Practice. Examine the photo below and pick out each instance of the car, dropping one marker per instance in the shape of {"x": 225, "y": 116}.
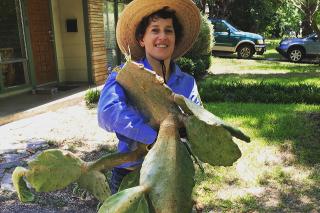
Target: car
{"x": 228, "y": 39}
{"x": 296, "y": 49}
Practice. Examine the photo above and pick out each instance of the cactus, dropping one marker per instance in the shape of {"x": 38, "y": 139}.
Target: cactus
{"x": 55, "y": 169}
{"x": 166, "y": 178}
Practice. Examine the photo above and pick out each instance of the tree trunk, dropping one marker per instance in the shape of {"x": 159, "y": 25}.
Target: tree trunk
{"x": 306, "y": 27}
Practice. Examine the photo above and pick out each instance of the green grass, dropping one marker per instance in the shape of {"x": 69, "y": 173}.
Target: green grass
{"x": 91, "y": 97}
{"x": 278, "y": 169}
{"x": 271, "y": 49}
{"x": 275, "y": 124}
{"x": 267, "y": 88}
{"x": 231, "y": 64}
{"x": 295, "y": 83}
{"x": 284, "y": 79}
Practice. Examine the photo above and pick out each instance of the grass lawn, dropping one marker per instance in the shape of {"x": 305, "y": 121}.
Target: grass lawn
{"x": 260, "y": 65}
{"x": 271, "y": 49}
{"x": 284, "y": 79}
{"x": 260, "y": 81}
{"x": 232, "y": 65}
{"x": 279, "y": 170}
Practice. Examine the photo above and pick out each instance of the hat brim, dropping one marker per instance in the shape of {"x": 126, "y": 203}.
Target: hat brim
{"x": 186, "y": 11}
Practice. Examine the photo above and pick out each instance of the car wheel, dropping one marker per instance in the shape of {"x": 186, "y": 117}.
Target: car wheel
{"x": 295, "y": 54}
{"x": 245, "y": 51}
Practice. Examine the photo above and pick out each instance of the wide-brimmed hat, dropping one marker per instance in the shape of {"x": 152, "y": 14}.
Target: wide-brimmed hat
{"x": 186, "y": 11}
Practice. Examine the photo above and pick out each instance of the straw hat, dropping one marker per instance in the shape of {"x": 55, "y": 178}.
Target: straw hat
{"x": 186, "y": 12}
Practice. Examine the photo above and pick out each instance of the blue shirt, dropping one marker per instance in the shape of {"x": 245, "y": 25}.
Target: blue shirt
{"x": 116, "y": 114}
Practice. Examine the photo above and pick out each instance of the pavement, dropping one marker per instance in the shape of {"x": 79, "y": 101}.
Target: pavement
{"x": 29, "y": 122}
{"x": 28, "y": 104}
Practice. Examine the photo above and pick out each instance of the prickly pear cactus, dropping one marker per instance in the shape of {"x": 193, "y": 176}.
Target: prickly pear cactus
{"x": 166, "y": 178}
{"x": 210, "y": 137}
{"x": 56, "y": 169}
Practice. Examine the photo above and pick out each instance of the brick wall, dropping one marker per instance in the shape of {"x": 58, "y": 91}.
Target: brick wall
{"x": 97, "y": 40}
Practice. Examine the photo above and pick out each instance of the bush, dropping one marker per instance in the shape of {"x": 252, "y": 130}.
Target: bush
{"x": 92, "y": 97}
{"x": 262, "y": 92}
{"x": 198, "y": 59}
{"x": 187, "y": 65}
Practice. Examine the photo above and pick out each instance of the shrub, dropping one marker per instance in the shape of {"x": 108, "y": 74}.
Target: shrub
{"x": 198, "y": 59}
{"x": 187, "y": 65}
{"x": 92, "y": 97}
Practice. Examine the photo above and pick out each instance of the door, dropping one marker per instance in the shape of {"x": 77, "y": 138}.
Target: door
{"x": 312, "y": 45}
{"x": 42, "y": 41}
{"x": 223, "y": 39}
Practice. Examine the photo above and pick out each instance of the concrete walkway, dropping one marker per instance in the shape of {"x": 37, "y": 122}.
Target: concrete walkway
{"x": 27, "y": 104}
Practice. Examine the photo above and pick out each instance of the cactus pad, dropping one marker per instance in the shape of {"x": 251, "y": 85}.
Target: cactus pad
{"x": 53, "y": 169}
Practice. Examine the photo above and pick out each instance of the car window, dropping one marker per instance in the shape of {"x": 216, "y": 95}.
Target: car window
{"x": 220, "y": 27}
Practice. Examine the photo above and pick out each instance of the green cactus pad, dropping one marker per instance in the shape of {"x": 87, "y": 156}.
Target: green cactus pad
{"x": 53, "y": 169}
{"x": 193, "y": 109}
{"x": 20, "y": 185}
{"x": 211, "y": 143}
{"x": 95, "y": 183}
{"x": 130, "y": 180}
{"x": 147, "y": 92}
{"x": 168, "y": 172}
{"x": 127, "y": 201}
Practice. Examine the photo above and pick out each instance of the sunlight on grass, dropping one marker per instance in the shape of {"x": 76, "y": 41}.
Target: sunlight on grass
{"x": 275, "y": 172}
{"x": 271, "y": 49}
{"x": 231, "y": 64}
{"x": 283, "y": 79}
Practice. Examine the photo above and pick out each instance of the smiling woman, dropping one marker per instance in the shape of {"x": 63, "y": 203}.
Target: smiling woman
{"x": 157, "y": 33}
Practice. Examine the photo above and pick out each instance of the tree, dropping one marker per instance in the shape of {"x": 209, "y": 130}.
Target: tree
{"x": 201, "y": 4}
{"x": 217, "y": 8}
{"x": 220, "y": 8}
{"x": 310, "y": 11}
{"x": 287, "y": 18}
{"x": 252, "y": 15}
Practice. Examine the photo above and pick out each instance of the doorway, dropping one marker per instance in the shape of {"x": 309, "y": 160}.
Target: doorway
{"x": 42, "y": 41}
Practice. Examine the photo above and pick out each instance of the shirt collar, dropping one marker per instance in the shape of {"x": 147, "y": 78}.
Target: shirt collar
{"x": 175, "y": 70}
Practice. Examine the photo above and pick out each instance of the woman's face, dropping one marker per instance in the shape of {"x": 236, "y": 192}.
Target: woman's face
{"x": 159, "y": 39}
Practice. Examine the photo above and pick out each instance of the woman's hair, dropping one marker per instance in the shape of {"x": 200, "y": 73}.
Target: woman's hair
{"x": 164, "y": 13}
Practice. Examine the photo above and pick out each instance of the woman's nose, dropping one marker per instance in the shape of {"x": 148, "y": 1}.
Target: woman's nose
{"x": 163, "y": 35}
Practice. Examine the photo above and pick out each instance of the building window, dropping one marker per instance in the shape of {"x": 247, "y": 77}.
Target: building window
{"x": 109, "y": 19}
{"x": 13, "y": 59}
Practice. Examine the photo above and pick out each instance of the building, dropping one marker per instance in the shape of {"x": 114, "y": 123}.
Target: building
{"x": 48, "y": 42}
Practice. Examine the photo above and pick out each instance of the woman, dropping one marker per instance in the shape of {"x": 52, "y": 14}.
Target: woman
{"x": 154, "y": 32}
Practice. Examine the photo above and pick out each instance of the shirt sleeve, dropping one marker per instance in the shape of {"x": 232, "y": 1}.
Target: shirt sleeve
{"x": 116, "y": 115}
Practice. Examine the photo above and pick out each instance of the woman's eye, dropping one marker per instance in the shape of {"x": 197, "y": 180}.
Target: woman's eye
{"x": 155, "y": 30}
{"x": 169, "y": 31}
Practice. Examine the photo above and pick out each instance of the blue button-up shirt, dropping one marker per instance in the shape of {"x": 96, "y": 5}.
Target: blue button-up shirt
{"x": 116, "y": 114}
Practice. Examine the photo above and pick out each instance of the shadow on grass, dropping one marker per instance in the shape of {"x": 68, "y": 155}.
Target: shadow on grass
{"x": 279, "y": 188}
{"x": 290, "y": 195}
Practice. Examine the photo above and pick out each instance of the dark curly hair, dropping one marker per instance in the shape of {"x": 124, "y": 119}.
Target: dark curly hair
{"x": 164, "y": 13}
